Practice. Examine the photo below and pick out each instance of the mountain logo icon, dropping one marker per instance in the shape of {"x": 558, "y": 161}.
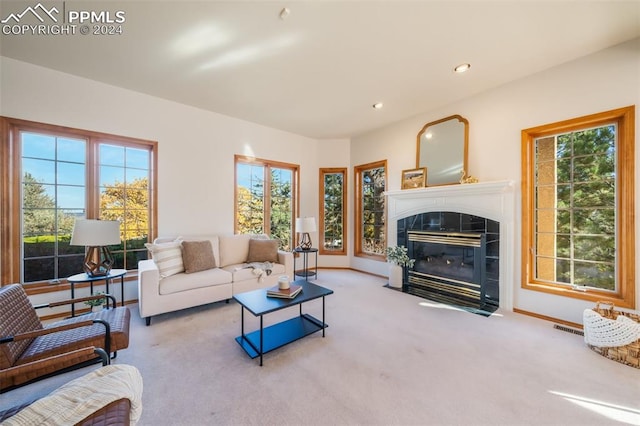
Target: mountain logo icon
{"x": 38, "y": 11}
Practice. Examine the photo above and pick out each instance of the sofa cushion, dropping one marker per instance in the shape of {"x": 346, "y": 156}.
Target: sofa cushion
{"x": 234, "y": 249}
{"x": 168, "y": 257}
{"x": 262, "y": 250}
{"x": 184, "y": 282}
{"x": 197, "y": 256}
{"x": 215, "y": 244}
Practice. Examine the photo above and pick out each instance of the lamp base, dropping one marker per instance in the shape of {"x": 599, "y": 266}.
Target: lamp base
{"x": 305, "y": 242}
{"x": 98, "y": 261}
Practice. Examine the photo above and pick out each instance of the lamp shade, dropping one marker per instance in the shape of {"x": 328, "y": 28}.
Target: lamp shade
{"x": 306, "y": 224}
{"x": 92, "y": 232}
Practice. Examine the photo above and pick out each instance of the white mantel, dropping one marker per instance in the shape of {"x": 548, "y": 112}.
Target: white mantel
{"x": 492, "y": 200}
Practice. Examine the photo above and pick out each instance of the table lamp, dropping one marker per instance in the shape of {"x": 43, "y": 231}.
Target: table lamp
{"x": 96, "y": 235}
{"x": 304, "y": 225}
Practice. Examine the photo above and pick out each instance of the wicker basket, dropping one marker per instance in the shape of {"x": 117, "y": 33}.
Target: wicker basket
{"x": 627, "y": 354}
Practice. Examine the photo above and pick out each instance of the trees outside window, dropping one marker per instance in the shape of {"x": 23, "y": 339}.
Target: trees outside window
{"x": 266, "y": 200}
{"x": 53, "y": 195}
{"x": 370, "y": 229}
{"x": 333, "y": 206}
{"x": 124, "y": 196}
{"x": 578, "y": 207}
{"x": 53, "y": 175}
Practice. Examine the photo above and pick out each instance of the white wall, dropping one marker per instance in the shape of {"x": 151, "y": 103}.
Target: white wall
{"x": 603, "y": 81}
{"x": 195, "y": 147}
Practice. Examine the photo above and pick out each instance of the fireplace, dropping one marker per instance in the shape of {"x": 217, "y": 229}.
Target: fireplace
{"x": 451, "y": 260}
{"x": 462, "y": 239}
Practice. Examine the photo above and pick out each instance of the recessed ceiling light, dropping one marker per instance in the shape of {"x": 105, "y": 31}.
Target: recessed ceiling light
{"x": 377, "y": 105}
{"x": 462, "y": 68}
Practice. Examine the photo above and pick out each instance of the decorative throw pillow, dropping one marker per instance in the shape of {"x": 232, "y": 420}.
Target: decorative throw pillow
{"x": 167, "y": 256}
{"x": 263, "y": 251}
{"x": 197, "y": 256}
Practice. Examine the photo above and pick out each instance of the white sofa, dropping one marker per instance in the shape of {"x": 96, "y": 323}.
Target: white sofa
{"x": 241, "y": 263}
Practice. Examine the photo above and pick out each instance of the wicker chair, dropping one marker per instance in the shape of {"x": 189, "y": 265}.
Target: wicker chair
{"x": 30, "y": 351}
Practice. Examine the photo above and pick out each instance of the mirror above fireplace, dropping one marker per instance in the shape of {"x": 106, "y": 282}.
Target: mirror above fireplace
{"x": 442, "y": 148}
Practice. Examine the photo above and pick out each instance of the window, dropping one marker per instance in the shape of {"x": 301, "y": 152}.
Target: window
{"x": 370, "y": 210}
{"x": 49, "y": 181}
{"x": 578, "y": 207}
{"x": 333, "y": 203}
{"x": 266, "y": 200}
{"x": 124, "y": 196}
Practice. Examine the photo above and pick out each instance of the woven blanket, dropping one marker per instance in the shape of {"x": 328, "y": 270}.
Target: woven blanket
{"x": 606, "y": 332}
{"x": 83, "y": 396}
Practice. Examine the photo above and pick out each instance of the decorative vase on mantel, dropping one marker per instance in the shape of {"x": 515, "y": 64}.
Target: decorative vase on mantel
{"x": 395, "y": 275}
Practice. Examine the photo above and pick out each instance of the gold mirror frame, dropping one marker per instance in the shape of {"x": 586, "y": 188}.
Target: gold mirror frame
{"x": 444, "y": 153}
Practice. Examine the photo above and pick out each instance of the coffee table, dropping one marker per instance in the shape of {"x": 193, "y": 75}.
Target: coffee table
{"x": 266, "y": 339}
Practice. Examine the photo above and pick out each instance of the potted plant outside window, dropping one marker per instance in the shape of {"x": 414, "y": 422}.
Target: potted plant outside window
{"x": 398, "y": 259}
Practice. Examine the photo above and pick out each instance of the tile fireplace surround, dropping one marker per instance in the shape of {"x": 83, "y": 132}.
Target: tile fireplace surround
{"x": 492, "y": 200}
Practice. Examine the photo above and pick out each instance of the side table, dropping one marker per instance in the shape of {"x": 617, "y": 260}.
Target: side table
{"x": 84, "y": 278}
{"x": 306, "y": 271}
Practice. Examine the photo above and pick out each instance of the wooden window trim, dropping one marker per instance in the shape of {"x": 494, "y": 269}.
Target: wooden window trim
{"x": 357, "y": 172}
{"x": 10, "y": 178}
{"x": 268, "y": 164}
{"x": 323, "y": 172}
{"x": 625, "y": 184}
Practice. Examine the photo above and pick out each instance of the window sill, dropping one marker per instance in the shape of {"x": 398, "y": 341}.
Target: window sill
{"x": 63, "y": 285}
{"x": 375, "y": 257}
{"x": 589, "y": 294}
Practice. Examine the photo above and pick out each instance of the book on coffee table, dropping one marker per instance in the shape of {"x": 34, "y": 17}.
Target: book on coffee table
{"x": 289, "y": 293}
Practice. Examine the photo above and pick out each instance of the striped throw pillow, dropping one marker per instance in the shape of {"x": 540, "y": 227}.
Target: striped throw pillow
{"x": 168, "y": 257}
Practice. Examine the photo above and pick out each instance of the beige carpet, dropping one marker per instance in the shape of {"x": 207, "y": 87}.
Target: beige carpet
{"x": 387, "y": 358}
